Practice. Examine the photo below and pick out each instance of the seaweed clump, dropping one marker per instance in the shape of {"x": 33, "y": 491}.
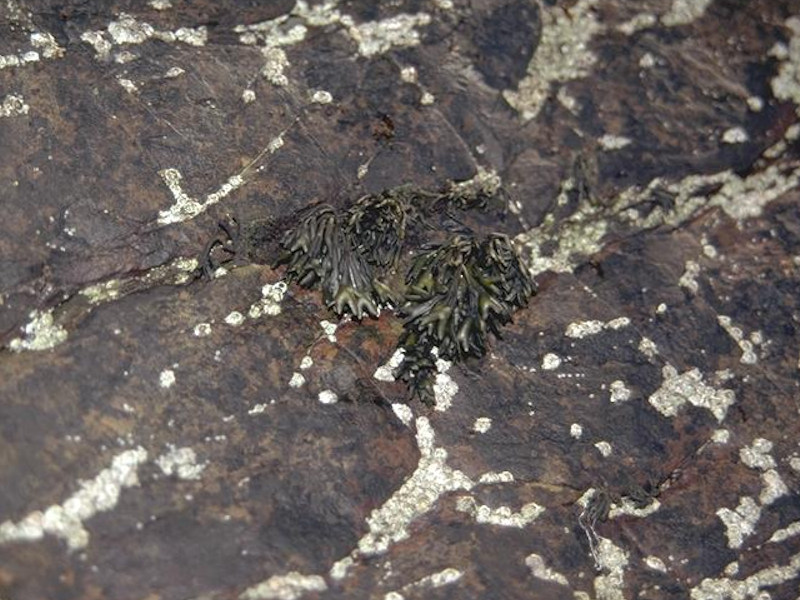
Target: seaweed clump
{"x": 345, "y": 253}
{"x": 459, "y": 287}
{"x": 457, "y": 294}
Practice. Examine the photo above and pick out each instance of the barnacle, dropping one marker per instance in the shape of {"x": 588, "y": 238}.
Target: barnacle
{"x": 457, "y": 293}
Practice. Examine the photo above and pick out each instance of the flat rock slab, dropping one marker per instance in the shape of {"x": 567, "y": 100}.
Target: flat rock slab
{"x": 634, "y": 434}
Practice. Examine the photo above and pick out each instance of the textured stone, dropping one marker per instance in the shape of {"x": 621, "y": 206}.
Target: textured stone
{"x": 634, "y": 433}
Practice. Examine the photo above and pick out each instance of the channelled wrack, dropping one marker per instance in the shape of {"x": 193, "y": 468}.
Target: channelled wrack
{"x": 409, "y": 249}
{"x": 454, "y": 293}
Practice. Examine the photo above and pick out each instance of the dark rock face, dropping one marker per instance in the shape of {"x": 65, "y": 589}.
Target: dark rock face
{"x": 632, "y": 435}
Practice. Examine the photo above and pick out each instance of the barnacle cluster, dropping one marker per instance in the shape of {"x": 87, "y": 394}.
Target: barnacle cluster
{"x": 454, "y": 294}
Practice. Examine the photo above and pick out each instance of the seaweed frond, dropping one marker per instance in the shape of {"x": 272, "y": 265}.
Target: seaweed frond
{"x": 457, "y": 294}
{"x": 378, "y": 226}
{"x": 322, "y": 252}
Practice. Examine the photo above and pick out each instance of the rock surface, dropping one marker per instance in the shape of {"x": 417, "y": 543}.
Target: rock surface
{"x": 633, "y": 435}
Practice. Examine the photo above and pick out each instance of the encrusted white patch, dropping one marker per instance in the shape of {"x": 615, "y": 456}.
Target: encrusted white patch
{"x": 377, "y": 37}
{"x": 95, "y": 495}
{"x": 584, "y": 329}
{"x": 576, "y": 430}
{"x": 160, "y": 4}
{"x": 128, "y": 30}
{"x": 340, "y": 567}
{"x": 403, "y": 412}
{"x": 563, "y": 54}
{"x": 747, "y": 346}
{"x": 41, "y": 333}
{"x": 614, "y": 142}
{"x": 683, "y": 12}
{"x": 689, "y": 277}
{"x": 186, "y": 208}
{"x": 786, "y": 85}
{"x": 329, "y": 329}
{"x": 202, "y": 329}
{"x": 13, "y": 105}
{"x": 275, "y": 62}
{"x": 257, "y": 409}
{"x": 389, "y": 523}
{"x": 647, "y": 61}
{"x": 409, "y": 74}
{"x": 248, "y": 96}
{"x": 604, "y": 448}
{"x": 501, "y": 516}
{"x": 568, "y": 101}
{"x": 234, "y": 318}
{"x": 102, "y": 292}
{"x": 129, "y": 85}
{"x": 321, "y": 97}
{"x": 328, "y": 397}
{"x": 166, "y": 378}
{"x": 676, "y": 390}
{"x": 741, "y": 521}
{"x": 272, "y": 295}
{"x": 731, "y": 568}
{"x": 46, "y": 47}
{"x": 444, "y": 388}
{"x": 181, "y": 462}
{"x": 306, "y": 363}
{"x": 291, "y": 586}
{"x": 755, "y": 103}
{"x": 551, "y": 361}
{"x": 494, "y": 477}
{"x": 434, "y": 580}
{"x": 628, "y": 508}
{"x": 540, "y": 570}
{"x": 564, "y": 241}
{"x": 427, "y": 99}
{"x": 619, "y": 391}
{"x": 482, "y": 425}
{"x": 751, "y": 587}
{"x": 648, "y": 347}
{"x": 655, "y": 563}
{"x": 773, "y": 487}
{"x": 757, "y": 455}
{"x": 385, "y": 372}
{"x": 746, "y": 198}
{"x": 784, "y": 534}
{"x": 637, "y": 23}
{"x": 47, "y": 44}
{"x": 612, "y": 560}
{"x": 721, "y": 436}
{"x": 297, "y": 380}
{"x": 735, "y": 135}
